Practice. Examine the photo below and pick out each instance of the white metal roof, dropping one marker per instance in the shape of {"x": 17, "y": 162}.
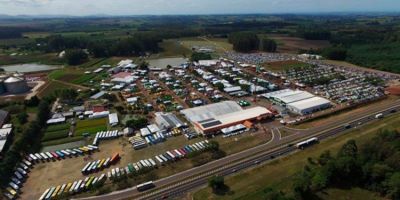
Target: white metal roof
{"x": 210, "y": 111}
{"x": 309, "y": 103}
{"x": 113, "y": 118}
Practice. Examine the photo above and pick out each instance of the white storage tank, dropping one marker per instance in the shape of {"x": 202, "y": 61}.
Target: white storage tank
{"x": 16, "y": 85}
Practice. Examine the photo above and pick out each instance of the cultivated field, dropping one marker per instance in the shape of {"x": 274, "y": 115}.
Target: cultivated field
{"x": 288, "y": 44}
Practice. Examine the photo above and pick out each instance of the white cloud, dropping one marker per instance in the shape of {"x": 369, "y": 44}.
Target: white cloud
{"x": 140, "y": 7}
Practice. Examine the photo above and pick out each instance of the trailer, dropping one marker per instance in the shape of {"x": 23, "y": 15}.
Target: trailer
{"x": 42, "y": 197}
{"x": 16, "y": 181}
{"x": 23, "y": 166}
{"x": 159, "y": 160}
{"x": 33, "y": 157}
{"x": 144, "y": 163}
{"x": 136, "y": 167}
{"x": 95, "y": 180}
{"x": 77, "y": 186}
{"x": 306, "y": 143}
{"x": 49, "y": 194}
{"x": 145, "y": 186}
{"x": 85, "y": 168}
{"x": 61, "y": 191}
{"x": 171, "y": 155}
{"x": 178, "y": 153}
{"x": 101, "y": 164}
{"x": 379, "y": 116}
{"x": 23, "y": 172}
{"x": 72, "y": 189}
{"x": 89, "y": 182}
{"x": 27, "y": 163}
{"x": 13, "y": 186}
{"x": 67, "y": 188}
{"x": 114, "y": 158}
{"x": 18, "y": 175}
{"x": 107, "y": 162}
{"x": 152, "y": 162}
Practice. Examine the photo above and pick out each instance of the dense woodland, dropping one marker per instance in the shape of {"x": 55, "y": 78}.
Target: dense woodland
{"x": 368, "y": 40}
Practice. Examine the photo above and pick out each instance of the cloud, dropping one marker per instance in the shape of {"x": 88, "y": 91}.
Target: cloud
{"x": 141, "y": 7}
{"x": 26, "y": 2}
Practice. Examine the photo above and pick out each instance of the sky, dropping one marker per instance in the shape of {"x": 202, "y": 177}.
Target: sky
{"x": 172, "y": 7}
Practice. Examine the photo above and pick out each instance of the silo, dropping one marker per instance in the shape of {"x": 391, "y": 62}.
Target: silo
{"x": 16, "y": 85}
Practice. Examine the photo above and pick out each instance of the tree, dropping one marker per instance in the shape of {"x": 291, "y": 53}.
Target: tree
{"x": 325, "y": 157}
{"x": 220, "y": 86}
{"x": 217, "y": 183}
{"x": 33, "y": 101}
{"x": 76, "y": 56}
{"x": 67, "y": 95}
{"x": 335, "y": 53}
{"x": 196, "y": 56}
{"x": 137, "y": 123}
{"x": 43, "y": 112}
{"x": 394, "y": 186}
{"x": 244, "y": 41}
{"x": 144, "y": 65}
{"x": 272, "y": 194}
{"x": 22, "y": 117}
{"x": 269, "y": 45}
{"x": 349, "y": 149}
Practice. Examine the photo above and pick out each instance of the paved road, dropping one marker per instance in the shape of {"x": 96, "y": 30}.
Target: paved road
{"x": 186, "y": 180}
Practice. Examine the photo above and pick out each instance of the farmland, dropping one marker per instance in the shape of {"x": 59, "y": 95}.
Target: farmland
{"x": 289, "y": 44}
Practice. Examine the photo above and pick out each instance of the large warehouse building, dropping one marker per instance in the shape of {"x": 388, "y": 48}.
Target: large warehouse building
{"x": 297, "y": 101}
{"x": 212, "y": 118}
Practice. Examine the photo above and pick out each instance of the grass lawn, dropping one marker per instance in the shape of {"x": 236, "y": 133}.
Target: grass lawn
{"x": 90, "y": 126}
{"x": 219, "y": 44}
{"x": 352, "y": 193}
{"x": 62, "y": 141}
{"x": 173, "y": 48}
{"x": 53, "y": 86}
{"x": 279, "y": 173}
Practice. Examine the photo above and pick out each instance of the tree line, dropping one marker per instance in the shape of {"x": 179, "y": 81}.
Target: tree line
{"x": 29, "y": 141}
{"x": 250, "y": 41}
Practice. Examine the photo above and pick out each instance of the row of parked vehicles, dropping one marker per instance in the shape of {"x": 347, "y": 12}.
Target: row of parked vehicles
{"x": 98, "y": 165}
{"x": 17, "y": 180}
{"x": 23, "y": 168}
{"x": 61, "y": 154}
{"x": 182, "y": 152}
{"x": 105, "y": 135}
{"x": 73, "y": 188}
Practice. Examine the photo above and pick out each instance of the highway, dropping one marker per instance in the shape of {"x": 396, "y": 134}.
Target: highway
{"x": 182, "y": 182}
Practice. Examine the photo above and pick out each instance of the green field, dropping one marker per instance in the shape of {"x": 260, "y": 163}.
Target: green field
{"x": 90, "y": 126}
{"x": 52, "y": 87}
{"x": 279, "y": 173}
{"x": 56, "y": 132}
{"x": 284, "y": 65}
{"x": 62, "y": 141}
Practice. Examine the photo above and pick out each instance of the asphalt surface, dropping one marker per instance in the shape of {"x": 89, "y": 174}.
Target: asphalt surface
{"x": 185, "y": 181}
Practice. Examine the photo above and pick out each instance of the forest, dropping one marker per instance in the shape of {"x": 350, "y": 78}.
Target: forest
{"x": 374, "y": 166}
